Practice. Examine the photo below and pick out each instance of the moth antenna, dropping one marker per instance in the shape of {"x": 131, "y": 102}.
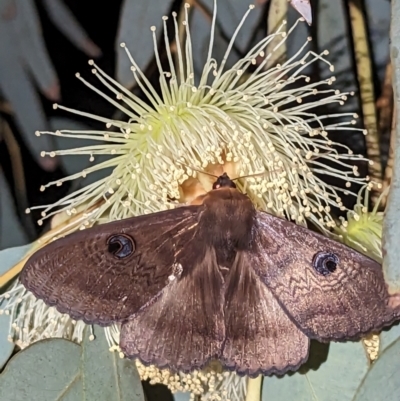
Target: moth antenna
{"x": 198, "y": 171}
{"x": 256, "y": 174}
{"x": 250, "y": 175}
{"x": 204, "y": 172}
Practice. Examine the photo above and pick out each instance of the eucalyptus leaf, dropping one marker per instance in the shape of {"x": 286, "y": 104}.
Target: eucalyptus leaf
{"x": 11, "y": 230}
{"x": 381, "y": 383}
{"x": 11, "y": 256}
{"x": 136, "y": 18}
{"x": 332, "y": 373}
{"x": 8, "y": 258}
{"x": 58, "y": 369}
{"x": 230, "y": 13}
{"x": 388, "y": 337}
{"x": 179, "y": 396}
{"x": 47, "y": 371}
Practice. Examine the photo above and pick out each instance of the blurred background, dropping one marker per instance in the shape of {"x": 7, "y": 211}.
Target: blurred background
{"x": 43, "y": 43}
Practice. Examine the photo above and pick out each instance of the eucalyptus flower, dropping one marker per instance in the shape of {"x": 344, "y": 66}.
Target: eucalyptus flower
{"x": 32, "y": 320}
{"x": 245, "y": 120}
{"x": 362, "y": 230}
{"x": 263, "y": 124}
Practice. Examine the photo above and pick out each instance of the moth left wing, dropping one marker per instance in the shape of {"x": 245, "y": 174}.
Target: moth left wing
{"x": 329, "y": 290}
{"x": 183, "y": 328}
{"x": 260, "y": 337}
{"x": 106, "y": 273}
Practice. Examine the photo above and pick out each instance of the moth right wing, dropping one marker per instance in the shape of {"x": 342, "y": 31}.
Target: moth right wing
{"x": 329, "y": 290}
{"x": 92, "y": 278}
{"x": 260, "y": 337}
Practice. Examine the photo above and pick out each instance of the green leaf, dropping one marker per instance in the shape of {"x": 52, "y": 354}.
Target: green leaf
{"x": 11, "y": 256}
{"x": 58, "y": 369}
{"x": 332, "y": 373}
{"x": 388, "y": 337}
{"x": 382, "y": 381}
{"x": 182, "y": 396}
{"x": 134, "y": 16}
{"x": 8, "y": 258}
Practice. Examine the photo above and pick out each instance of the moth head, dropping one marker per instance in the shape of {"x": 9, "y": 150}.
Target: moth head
{"x": 223, "y": 181}
{"x": 325, "y": 263}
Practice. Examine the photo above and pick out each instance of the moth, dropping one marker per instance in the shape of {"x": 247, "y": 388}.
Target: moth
{"x": 216, "y": 279}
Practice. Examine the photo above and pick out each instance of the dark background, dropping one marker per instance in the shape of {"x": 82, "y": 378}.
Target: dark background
{"x": 100, "y": 20}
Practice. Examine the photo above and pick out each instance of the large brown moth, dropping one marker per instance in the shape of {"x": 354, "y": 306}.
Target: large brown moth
{"x": 214, "y": 280}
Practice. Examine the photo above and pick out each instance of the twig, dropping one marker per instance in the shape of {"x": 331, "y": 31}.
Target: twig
{"x": 384, "y": 104}
{"x": 390, "y": 161}
{"x": 277, "y": 13}
{"x": 387, "y": 124}
{"x": 365, "y": 80}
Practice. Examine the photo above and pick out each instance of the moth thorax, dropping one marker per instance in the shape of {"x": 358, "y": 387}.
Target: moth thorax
{"x": 229, "y": 220}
